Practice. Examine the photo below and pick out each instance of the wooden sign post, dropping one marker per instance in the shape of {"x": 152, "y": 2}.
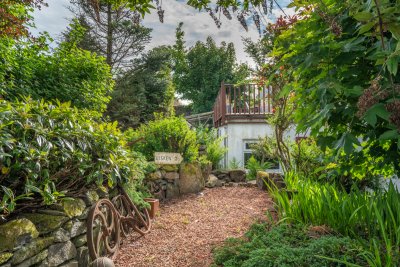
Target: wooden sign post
{"x": 166, "y": 158}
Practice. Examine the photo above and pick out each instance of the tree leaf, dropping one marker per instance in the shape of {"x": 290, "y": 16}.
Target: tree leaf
{"x": 363, "y": 16}
{"x": 392, "y": 65}
{"x": 388, "y": 135}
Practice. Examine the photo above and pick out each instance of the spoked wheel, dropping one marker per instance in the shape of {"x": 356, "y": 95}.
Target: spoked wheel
{"x": 125, "y": 211}
{"x": 142, "y": 221}
{"x": 103, "y": 233}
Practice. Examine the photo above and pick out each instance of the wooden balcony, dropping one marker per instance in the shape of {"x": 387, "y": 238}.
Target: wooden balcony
{"x": 244, "y": 103}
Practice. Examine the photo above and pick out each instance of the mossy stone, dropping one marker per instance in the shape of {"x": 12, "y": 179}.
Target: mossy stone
{"x": 170, "y": 168}
{"x": 4, "y": 257}
{"x": 16, "y": 232}
{"x": 91, "y": 197}
{"x": 73, "y": 207}
{"x": 35, "y": 259}
{"x": 46, "y": 223}
{"x": 31, "y": 249}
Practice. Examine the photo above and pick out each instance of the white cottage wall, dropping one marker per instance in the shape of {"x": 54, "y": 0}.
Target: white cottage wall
{"x": 236, "y": 134}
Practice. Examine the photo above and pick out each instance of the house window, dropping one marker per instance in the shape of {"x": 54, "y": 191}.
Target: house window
{"x": 247, "y": 151}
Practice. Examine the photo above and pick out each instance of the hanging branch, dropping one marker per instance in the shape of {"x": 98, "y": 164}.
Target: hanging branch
{"x": 225, "y": 11}
{"x": 242, "y": 20}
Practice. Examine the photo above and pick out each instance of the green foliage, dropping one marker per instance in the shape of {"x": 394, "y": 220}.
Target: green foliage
{"x": 165, "y": 134}
{"x": 67, "y": 74}
{"x": 370, "y": 216}
{"x": 253, "y": 165}
{"x": 53, "y": 150}
{"x": 214, "y": 150}
{"x": 199, "y": 72}
{"x": 234, "y": 164}
{"x": 285, "y": 245}
{"x": 143, "y": 90}
{"x": 344, "y": 57}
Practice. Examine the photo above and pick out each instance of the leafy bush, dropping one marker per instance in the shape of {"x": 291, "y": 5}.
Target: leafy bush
{"x": 254, "y": 165}
{"x": 285, "y": 245}
{"x": 165, "y": 134}
{"x": 234, "y": 164}
{"x": 66, "y": 74}
{"x": 209, "y": 138}
{"x": 53, "y": 150}
{"x": 371, "y": 216}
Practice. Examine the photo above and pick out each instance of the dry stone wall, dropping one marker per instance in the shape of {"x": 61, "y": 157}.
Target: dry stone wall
{"x": 55, "y": 236}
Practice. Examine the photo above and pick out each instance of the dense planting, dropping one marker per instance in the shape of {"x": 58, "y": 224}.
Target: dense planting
{"x": 53, "y": 150}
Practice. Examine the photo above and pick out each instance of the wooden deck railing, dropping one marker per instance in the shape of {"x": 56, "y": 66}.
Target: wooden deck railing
{"x": 247, "y": 101}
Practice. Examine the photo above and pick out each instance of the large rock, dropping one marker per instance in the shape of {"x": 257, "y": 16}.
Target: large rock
{"x": 91, "y": 197}
{"x": 60, "y": 253}
{"x": 206, "y": 170}
{"x": 16, "y": 233}
{"x": 262, "y": 179}
{"x": 61, "y": 235}
{"x": 237, "y": 175}
{"x": 169, "y": 168}
{"x": 212, "y": 181}
{"x": 34, "y": 260}
{"x": 154, "y": 176}
{"x": 75, "y": 228}
{"x": 45, "y": 223}
{"x": 31, "y": 249}
{"x": 70, "y": 264}
{"x": 191, "y": 178}
{"x": 79, "y": 241}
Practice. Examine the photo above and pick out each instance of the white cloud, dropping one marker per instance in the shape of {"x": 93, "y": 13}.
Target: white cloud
{"x": 197, "y": 25}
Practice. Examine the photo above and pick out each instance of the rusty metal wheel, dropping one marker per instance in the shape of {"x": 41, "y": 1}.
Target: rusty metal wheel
{"x": 142, "y": 221}
{"x": 103, "y": 230}
{"x": 124, "y": 208}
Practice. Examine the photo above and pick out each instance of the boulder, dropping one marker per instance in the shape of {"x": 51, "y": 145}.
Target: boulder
{"x": 60, "y": 253}
{"x": 79, "y": 241}
{"x": 171, "y": 175}
{"x": 191, "y": 178}
{"x": 206, "y": 170}
{"x": 16, "y": 233}
{"x": 277, "y": 180}
{"x": 262, "y": 179}
{"x": 212, "y": 181}
{"x": 45, "y": 223}
{"x": 237, "y": 175}
{"x": 70, "y": 264}
{"x": 35, "y": 259}
{"x": 31, "y": 249}
{"x": 75, "y": 228}
{"x": 61, "y": 235}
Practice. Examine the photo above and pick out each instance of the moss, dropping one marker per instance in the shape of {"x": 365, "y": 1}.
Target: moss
{"x": 73, "y": 207}
{"x": 31, "y": 249}
{"x": 189, "y": 168}
{"x": 4, "y": 257}
{"x": 46, "y": 223}
{"x": 170, "y": 168}
{"x": 13, "y": 232}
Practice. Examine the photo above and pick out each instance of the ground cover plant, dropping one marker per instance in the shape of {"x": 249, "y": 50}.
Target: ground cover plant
{"x": 287, "y": 245}
{"x": 372, "y": 218}
{"x": 52, "y": 150}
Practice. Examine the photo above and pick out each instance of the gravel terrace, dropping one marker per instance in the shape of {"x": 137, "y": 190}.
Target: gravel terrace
{"x": 189, "y": 227}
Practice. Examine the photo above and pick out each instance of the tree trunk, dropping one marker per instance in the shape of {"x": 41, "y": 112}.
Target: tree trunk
{"x": 109, "y": 35}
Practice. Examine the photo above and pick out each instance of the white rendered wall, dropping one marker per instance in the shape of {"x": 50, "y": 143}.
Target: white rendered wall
{"x": 237, "y": 133}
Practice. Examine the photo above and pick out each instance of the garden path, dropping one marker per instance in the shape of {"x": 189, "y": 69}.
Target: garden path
{"x": 189, "y": 227}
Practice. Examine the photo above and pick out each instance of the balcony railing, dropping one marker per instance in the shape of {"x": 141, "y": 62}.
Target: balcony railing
{"x": 248, "y": 101}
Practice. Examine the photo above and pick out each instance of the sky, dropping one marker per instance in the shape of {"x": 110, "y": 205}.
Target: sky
{"x": 197, "y": 25}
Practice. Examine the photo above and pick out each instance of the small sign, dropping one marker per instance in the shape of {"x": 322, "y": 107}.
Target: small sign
{"x": 165, "y": 158}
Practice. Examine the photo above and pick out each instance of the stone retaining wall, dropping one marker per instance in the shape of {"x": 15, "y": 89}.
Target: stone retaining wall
{"x": 54, "y": 236}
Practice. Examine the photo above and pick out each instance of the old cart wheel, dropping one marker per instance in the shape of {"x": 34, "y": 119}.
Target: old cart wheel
{"x": 125, "y": 211}
{"x": 142, "y": 221}
{"x": 103, "y": 233}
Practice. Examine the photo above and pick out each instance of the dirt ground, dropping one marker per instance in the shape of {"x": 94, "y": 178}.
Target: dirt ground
{"x": 188, "y": 228}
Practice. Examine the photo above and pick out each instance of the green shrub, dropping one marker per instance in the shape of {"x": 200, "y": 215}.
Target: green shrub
{"x": 285, "y": 245}
{"x": 68, "y": 74}
{"x": 53, "y": 150}
{"x": 165, "y": 134}
{"x": 254, "y": 165}
{"x": 371, "y": 216}
{"x": 214, "y": 150}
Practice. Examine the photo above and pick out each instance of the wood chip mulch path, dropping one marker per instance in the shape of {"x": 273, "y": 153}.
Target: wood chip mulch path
{"x": 189, "y": 227}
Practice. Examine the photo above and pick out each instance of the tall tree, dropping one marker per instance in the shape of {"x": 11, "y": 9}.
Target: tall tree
{"x": 114, "y": 33}
{"x": 144, "y": 89}
{"x": 199, "y": 73}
